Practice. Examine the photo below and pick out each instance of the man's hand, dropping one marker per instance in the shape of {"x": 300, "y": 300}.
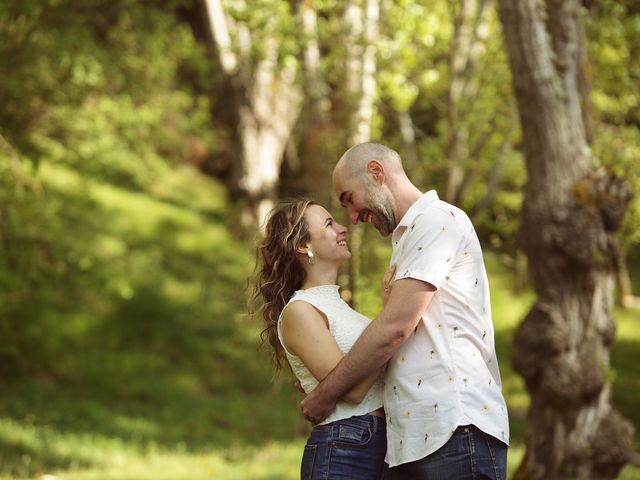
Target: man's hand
{"x": 315, "y": 407}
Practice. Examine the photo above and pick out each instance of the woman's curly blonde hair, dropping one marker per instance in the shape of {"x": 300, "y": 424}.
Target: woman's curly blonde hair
{"x": 279, "y": 273}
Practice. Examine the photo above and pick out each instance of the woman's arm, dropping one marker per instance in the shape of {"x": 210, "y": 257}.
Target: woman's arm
{"x": 306, "y": 334}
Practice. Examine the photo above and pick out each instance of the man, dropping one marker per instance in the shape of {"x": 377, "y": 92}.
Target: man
{"x": 446, "y": 416}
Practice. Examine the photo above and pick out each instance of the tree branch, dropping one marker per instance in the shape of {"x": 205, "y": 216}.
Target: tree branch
{"x": 221, "y": 36}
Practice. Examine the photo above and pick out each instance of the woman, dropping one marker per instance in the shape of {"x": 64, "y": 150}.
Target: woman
{"x": 308, "y": 324}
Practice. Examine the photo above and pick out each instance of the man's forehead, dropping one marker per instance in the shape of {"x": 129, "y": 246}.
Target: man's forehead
{"x": 338, "y": 184}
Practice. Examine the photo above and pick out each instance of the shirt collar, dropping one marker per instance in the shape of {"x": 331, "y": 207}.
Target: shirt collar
{"x": 417, "y": 207}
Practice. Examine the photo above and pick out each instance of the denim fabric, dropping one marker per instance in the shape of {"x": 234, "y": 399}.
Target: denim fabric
{"x": 349, "y": 449}
{"x": 470, "y": 454}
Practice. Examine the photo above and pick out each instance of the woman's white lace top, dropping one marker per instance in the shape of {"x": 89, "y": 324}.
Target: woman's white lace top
{"x": 346, "y": 325}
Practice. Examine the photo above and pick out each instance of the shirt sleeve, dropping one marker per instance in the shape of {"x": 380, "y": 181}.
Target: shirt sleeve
{"x": 430, "y": 247}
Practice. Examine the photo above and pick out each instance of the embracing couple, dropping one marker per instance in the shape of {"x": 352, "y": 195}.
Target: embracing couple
{"x": 415, "y": 393}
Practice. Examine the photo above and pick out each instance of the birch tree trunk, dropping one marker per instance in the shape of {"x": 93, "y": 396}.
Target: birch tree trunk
{"x": 408, "y": 135}
{"x": 570, "y": 217}
{"x": 469, "y": 22}
{"x": 319, "y": 143}
{"x": 268, "y": 100}
{"x": 362, "y": 25}
{"x": 362, "y": 70}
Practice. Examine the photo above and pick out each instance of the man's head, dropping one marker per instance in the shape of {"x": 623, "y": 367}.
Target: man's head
{"x": 364, "y": 180}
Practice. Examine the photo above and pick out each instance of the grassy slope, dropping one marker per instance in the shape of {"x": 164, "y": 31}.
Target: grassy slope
{"x": 194, "y": 399}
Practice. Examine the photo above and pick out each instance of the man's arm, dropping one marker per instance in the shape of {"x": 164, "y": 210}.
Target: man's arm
{"x": 377, "y": 344}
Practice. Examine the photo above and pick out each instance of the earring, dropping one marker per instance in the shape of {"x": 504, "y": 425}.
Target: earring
{"x": 312, "y": 259}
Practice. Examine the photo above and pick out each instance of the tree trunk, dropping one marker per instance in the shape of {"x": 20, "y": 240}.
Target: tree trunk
{"x": 268, "y": 100}
{"x": 319, "y": 142}
{"x": 408, "y": 135}
{"x": 356, "y": 87}
{"x": 569, "y": 221}
{"x": 493, "y": 182}
{"x": 362, "y": 25}
{"x": 469, "y": 20}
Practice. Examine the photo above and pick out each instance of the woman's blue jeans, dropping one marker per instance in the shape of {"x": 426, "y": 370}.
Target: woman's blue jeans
{"x": 470, "y": 454}
{"x": 349, "y": 449}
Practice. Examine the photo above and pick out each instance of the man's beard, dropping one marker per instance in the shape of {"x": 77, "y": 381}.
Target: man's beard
{"x": 380, "y": 207}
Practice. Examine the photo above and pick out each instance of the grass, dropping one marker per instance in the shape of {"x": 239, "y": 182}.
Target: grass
{"x": 161, "y": 376}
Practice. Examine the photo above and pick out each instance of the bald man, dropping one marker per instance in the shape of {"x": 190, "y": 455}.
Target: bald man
{"x": 446, "y": 416}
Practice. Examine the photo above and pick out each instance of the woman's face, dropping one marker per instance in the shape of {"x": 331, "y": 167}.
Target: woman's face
{"x": 328, "y": 237}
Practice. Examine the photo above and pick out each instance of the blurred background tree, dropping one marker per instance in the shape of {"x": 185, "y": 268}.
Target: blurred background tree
{"x": 571, "y": 215}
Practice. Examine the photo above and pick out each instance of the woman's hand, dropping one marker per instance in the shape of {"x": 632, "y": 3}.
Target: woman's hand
{"x": 387, "y": 283}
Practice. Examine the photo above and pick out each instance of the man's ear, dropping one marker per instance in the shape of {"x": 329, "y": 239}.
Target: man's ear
{"x": 376, "y": 170}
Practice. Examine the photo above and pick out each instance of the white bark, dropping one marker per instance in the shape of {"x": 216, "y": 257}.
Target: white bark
{"x": 220, "y": 31}
{"x": 360, "y": 42}
{"x": 364, "y": 115}
{"x": 268, "y": 99}
{"x": 408, "y": 134}
{"x": 470, "y": 27}
{"x": 316, "y": 146}
{"x": 361, "y": 77}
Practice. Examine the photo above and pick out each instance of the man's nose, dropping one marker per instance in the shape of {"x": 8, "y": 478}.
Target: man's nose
{"x": 353, "y": 216}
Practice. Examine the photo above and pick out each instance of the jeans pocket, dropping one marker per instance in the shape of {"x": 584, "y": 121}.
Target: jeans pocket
{"x": 308, "y": 462}
{"x": 354, "y": 435}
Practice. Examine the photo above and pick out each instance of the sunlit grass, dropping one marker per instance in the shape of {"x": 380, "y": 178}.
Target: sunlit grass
{"x": 89, "y": 456}
{"x": 141, "y": 212}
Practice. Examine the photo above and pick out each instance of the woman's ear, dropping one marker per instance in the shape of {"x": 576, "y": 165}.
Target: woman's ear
{"x": 376, "y": 170}
{"x": 303, "y": 249}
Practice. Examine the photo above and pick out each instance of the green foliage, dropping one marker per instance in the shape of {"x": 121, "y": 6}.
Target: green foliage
{"x": 614, "y": 32}
{"x": 415, "y": 75}
{"x": 121, "y": 125}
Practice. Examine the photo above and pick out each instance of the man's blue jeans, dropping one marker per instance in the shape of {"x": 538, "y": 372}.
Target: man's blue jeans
{"x": 470, "y": 454}
{"x": 349, "y": 449}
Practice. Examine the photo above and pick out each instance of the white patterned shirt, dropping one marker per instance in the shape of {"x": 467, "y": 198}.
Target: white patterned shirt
{"x": 446, "y": 373}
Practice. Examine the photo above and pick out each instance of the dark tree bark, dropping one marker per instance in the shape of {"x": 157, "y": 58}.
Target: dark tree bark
{"x": 570, "y": 217}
